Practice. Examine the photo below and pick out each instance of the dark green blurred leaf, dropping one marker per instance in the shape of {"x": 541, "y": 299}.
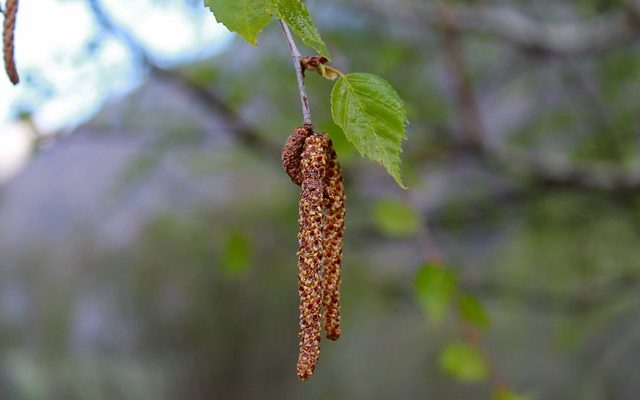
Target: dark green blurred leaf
{"x": 201, "y": 75}
{"x": 436, "y": 287}
{"x": 506, "y": 394}
{"x": 464, "y": 362}
{"x": 237, "y": 254}
{"x": 473, "y": 311}
{"x": 395, "y": 218}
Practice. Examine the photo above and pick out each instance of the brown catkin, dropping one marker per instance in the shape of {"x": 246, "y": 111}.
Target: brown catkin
{"x": 334, "y": 204}
{"x": 292, "y": 152}
{"x": 10, "y": 13}
{"x": 311, "y": 252}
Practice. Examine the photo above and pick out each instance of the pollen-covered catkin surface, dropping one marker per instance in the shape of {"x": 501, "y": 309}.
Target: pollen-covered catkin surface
{"x": 8, "y": 38}
{"x": 311, "y": 252}
{"x": 333, "y": 239}
{"x": 292, "y": 153}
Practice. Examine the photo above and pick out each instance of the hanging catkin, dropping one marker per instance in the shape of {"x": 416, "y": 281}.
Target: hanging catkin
{"x": 334, "y": 204}
{"x": 9, "y": 27}
{"x": 310, "y": 161}
{"x": 311, "y": 252}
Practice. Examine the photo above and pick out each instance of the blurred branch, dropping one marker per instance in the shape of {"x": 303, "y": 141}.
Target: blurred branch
{"x": 458, "y": 71}
{"x": 560, "y": 170}
{"x": 578, "y": 301}
{"x": 106, "y": 22}
{"x": 549, "y": 170}
{"x": 567, "y": 38}
{"x": 245, "y": 133}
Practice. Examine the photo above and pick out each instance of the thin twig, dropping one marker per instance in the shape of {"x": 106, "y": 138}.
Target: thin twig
{"x": 296, "y": 56}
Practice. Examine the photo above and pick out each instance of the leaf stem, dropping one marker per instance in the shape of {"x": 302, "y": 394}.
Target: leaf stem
{"x": 296, "y": 56}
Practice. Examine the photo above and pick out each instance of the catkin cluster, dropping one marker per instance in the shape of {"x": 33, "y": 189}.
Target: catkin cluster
{"x": 311, "y": 162}
{"x": 9, "y": 26}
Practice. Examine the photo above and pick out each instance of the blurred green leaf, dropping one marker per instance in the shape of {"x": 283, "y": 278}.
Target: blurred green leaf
{"x": 296, "y": 15}
{"x": 436, "y": 287}
{"x": 506, "y": 394}
{"x": 201, "y": 75}
{"x": 373, "y": 118}
{"x": 395, "y": 218}
{"x": 246, "y": 17}
{"x": 472, "y": 311}
{"x": 236, "y": 254}
{"x": 464, "y": 362}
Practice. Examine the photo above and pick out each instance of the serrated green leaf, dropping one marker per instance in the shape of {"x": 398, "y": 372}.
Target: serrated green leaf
{"x": 436, "y": 287}
{"x": 473, "y": 311}
{"x": 246, "y": 17}
{"x": 395, "y": 218}
{"x": 464, "y": 362}
{"x": 296, "y": 15}
{"x": 236, "y": 254}
{"x": 373, "y": 118}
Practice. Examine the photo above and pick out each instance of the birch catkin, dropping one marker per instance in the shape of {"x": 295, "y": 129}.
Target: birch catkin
{"x": 334, "y": 204}
{"x": 9, "y": 27}
{"x": 310, "y": 161}
{"x": 311, "y": 252}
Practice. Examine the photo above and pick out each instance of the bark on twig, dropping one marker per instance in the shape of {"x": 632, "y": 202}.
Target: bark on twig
{"x": 296, "y": 56}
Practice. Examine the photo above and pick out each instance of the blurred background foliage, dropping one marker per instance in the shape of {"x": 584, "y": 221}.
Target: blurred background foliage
{"x": 150, "y": 252}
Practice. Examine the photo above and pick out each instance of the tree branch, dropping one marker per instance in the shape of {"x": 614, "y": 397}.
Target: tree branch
{"x": 104, "y": 19}
{"x": 243, "y": 132}
{"x": 560, "y": 170}
{"x": 458, "y": 71}
{"x": 296, "y": 56}
{"x": 563, "y": 38}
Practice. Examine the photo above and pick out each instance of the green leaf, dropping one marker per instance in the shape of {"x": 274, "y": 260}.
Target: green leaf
{"x": 464, "y": 362}
{"x": 473, "y": 311}
{"x": 436, "y": 286}
{"x": 246, "y": 17}
{"x": 236, "y": 254}
{"x": 296, "y": 15}
{"x": 373, "y": 118}
{"x": 395, "y": 218}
